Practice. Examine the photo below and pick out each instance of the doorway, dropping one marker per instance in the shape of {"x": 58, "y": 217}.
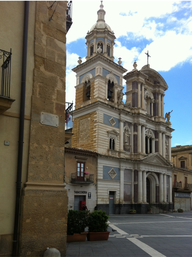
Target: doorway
{"x": 77, "y": 200}
{"x": 111, "y": 202}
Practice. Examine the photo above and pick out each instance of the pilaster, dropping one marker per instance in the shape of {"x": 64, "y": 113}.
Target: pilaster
{"x": 140, "y": 187}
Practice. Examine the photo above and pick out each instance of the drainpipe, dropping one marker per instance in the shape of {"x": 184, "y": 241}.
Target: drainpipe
{"x": 21, "y": 133}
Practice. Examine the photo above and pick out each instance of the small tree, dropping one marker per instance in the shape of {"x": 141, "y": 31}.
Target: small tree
{"x": 98, "y": 221}
{"x": 77, "y": 221}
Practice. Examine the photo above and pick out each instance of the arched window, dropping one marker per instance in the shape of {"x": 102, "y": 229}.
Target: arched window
{"x": 110, "y": 90}
{"x": 112, "y": 144}
{"x": 91, "y": 50}
{"x": 87, "y": 90}
{"x": 149, "y": 99}
{"x": 149, "y": 137}
{"x": 108, "y": 50}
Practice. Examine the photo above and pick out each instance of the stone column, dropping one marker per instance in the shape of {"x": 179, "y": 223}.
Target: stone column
{"x": 161, "y": 188}
{"x": 153, "y": 145}
{"x": 132, "y": 187}
{"x": 121, "y": 135}
{"x": 159, "y": 104}
{"x": 138, "y": 95}
{"x": 170, "y": 189}
{"x": 163, "y": 150}
{"x": 160, "y": 143}
{"x": 165, "y": 188}
{"x": 144, "y": 187}
{"x": 162, "y": 103}
{"x": 140, "y": 188}
{"x": 121, "y": 186}
{"x": 131, "y": 138}
{"x": 143, "y": 100}
{"x": 143, "y": 139}
{"x": 170, "y": 149}
{"x": 139, "y": 138}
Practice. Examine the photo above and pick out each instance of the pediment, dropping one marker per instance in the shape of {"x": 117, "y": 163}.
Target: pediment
{"x": 182, "y": 158}
{"x": 156, "y": 159}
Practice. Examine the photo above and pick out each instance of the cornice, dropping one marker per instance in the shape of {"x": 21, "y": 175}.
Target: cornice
{"x": 101, "y": 58}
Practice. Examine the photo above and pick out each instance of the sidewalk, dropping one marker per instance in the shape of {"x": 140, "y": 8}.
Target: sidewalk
{"x": 115, "y": 246}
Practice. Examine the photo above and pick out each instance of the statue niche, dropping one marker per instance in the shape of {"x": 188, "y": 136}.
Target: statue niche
{"x": 120, "y": 97}
{"x": 127, "y": 143}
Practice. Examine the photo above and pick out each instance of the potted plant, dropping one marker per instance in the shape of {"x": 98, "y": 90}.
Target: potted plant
{"x": 132, "y": 211}
{"x": 149, "y": 210}
{"x": 86, "y": 173}
{"x": 76, "y": 224}
{"x": 98, "y": 226}
{"x": 180, "y": 210}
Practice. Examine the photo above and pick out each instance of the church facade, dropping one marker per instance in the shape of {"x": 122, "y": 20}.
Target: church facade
{"x": 132, "y": 138}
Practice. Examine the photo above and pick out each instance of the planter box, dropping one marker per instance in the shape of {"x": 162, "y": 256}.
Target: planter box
{"x": 77, "y": 237}
{"x": 98, "y": 236}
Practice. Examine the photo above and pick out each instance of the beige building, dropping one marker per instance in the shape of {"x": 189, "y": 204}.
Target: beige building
{"x": 80, "y": 178}
{"x": 33, "y": 200}
{"x": 182, "y": 176}
{"x": 132, "y": 139}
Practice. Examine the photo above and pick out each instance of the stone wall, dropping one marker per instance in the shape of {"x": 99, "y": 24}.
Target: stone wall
{"x": 44, "y": 207}
{"x": 84, "y": 132}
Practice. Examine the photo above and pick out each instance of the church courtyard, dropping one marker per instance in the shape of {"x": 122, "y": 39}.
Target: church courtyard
{"x": 168, "y": 234}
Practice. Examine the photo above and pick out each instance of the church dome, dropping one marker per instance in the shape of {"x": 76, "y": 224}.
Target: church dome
{"x": 101, "y": 25}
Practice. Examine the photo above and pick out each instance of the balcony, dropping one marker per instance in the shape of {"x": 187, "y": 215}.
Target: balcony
{"x": 5, "y": 77}
{"x": 188, "y": 187}
{"x": 177, "y": 185}
{"x": 88, "y": 179}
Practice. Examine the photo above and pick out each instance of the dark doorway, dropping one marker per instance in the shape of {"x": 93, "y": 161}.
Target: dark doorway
{"x": 77, "y": 200}
{"x": 148, "y": 190}
{"x": 111, "y": 202}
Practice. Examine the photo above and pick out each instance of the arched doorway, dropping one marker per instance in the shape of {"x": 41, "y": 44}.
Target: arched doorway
{"x": 152, "y": 183}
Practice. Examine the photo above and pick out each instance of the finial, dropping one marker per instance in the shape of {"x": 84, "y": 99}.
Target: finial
{"x": 120, "y": 62}
{"x": 135, "y": 65}
{"x": 79, "y": 61}
{"x": 101, "y": 6}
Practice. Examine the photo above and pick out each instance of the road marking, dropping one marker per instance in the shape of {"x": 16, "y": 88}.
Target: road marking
{"x": 155, "y": 222}
{"x": 166, "y": 235}
{"x": 152, "y": 252}
{"x": 167, "y": 215}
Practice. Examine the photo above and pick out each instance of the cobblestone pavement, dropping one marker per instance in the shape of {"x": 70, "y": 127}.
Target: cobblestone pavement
{"x": 139, "y": 235}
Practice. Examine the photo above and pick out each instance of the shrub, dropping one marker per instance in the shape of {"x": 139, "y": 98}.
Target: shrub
{"x": 98, "y": 221}
{"x": 132, "y": 211}
{"x": 77, "y": 221}
{"x": 180, "y": 210}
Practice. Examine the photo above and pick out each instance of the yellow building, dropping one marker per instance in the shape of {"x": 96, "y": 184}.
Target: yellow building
{"x": 32, "y": 120}
{"x": 182, "y": 176}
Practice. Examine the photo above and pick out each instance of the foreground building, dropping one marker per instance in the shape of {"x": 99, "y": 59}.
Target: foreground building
{"x": 32, "y": 120}
{"x": 132, "y": 139}
{"x": 182, "y": 176}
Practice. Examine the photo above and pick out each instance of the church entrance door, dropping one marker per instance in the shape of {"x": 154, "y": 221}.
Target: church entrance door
{"x": 111, "y": 202}
{"x": 148, "y": 190}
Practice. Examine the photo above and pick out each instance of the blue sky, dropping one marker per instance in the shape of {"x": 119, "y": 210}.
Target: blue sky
{"x": 164, "y": 28}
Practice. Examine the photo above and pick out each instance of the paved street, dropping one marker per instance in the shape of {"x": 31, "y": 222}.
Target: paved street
{"x": 158, "y": 235}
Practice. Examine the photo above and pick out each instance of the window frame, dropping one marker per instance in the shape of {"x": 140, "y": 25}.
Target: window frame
{"x": 80, "y": 176}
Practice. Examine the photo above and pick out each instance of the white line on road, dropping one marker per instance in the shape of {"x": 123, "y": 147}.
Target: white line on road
{"x": 167, "y": 215}
{"x": 152, "y": 252}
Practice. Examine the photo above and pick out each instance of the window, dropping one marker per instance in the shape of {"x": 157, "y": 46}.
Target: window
{"x": 182, "y": 164}
{"x": 110, "y": 91}
{"x": 108, "y": 50}
{"x": 87, "y": 90}
{"x": 80, "y": 170}
{"x": 91, "y": 50}
{"x": 175, "y": 180}
{"x": 112, "y": 144}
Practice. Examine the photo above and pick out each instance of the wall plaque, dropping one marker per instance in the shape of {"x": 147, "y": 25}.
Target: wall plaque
{"x": 49, "y": 119}
{"x": 80, "y": 192}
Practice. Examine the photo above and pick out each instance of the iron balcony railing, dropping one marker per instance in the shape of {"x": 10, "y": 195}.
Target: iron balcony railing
{"x": 5, "y": 74}
{"x": 87, "y": 178}
{"x": 188, "y": 186}
{"x": 177, "y": 184}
